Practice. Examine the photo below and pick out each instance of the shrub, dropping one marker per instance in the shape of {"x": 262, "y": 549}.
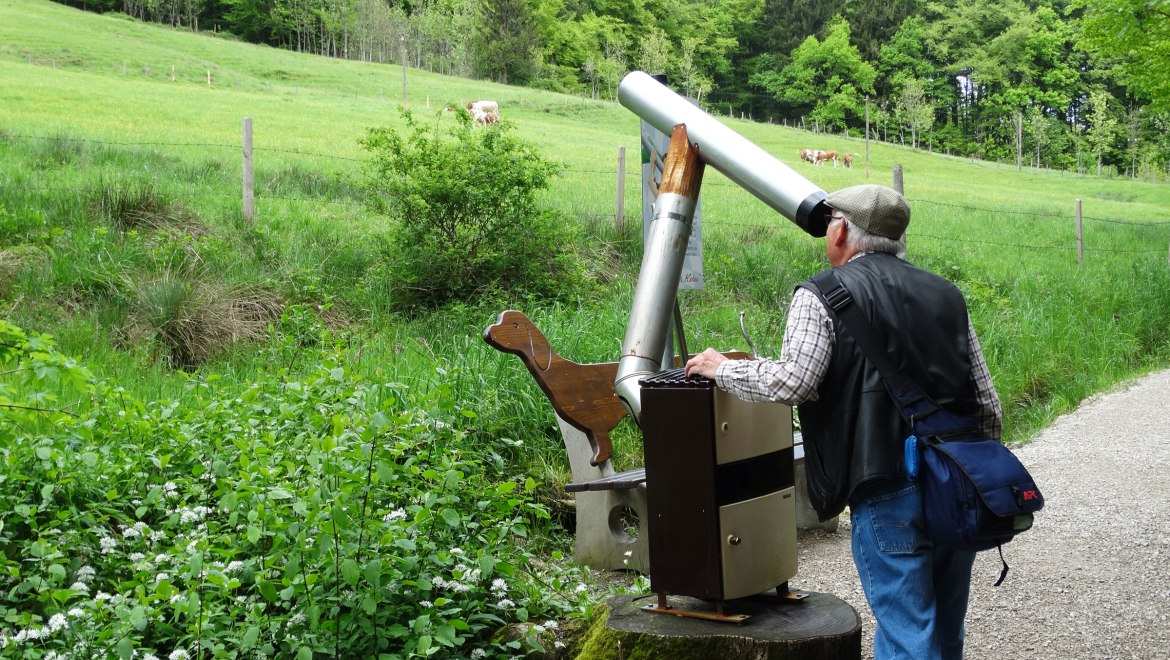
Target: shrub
{"x": 468, "y": 219}
{"x": 321, "y": 517}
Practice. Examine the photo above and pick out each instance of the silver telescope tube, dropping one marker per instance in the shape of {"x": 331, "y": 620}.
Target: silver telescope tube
{"x": 777, "y": 185}
{"x": 757, "y": 171}
{"x": 644, "y": 346}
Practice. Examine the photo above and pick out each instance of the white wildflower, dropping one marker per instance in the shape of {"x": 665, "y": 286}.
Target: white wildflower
{"x": 76, "y": 612}
{"x": 233, "y": 567}
{"x": 550, "y": 625}
{"x": 101, "y": 595}
{"x": 85, "y": 573}
{"x": 499, "y": 587}
{"x": 396, "y": 514}
{"x": 505, "y": 604}
{"x": 108, "y": 543}
{"x": 456, "y": 551}
{"x": 149, "y": 656}
{"x": 295, "y": 620}
{"x": 161, "y": 576}
{"x": 137, "y": 556}
{"x": 178, "y": 654}
{"x": 57, "y": 622}
{"x": 580, "y": 587}
{"x": 80, "y": 586}
{"x": 438, "y": 582}
{"x": 426, "y": 603}
{"x": 478, "y": 653}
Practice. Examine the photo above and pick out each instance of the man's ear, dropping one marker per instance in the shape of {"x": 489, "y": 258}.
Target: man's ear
{"x": 842, "y": 232}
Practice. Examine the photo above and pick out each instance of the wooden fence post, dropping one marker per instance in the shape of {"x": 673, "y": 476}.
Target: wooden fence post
{"x": 901, "y": 190}
{"x": 620, "y": 211}
{"x": 867, "y": 137}
{"x": 249, "y": 199}
{"x": 1080, "y": 236}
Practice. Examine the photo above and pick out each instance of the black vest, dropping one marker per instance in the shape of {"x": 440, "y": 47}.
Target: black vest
{"x": 853, "y": 434}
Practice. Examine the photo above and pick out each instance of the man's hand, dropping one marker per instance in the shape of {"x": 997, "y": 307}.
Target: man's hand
{"x": 705, "y": 363}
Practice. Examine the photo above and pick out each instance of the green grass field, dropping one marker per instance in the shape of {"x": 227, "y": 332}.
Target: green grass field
{"x": 1054, "y": 330}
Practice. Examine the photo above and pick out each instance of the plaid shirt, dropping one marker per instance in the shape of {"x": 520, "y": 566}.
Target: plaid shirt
{"x": 804, "y": 359}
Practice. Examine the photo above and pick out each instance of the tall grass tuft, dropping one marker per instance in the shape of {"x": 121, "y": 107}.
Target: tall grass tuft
{"x": 192, "y": 320}
{"x": 138, "y": 206}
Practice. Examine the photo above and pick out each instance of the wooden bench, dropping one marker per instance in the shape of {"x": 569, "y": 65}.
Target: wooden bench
{"x": 587, "y": 411}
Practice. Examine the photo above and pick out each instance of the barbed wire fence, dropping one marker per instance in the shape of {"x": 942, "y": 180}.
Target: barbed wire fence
{"x": 623, "y": 177}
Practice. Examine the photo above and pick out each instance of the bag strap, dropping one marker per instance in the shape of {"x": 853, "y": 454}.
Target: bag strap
{"x": 911, "y": 401}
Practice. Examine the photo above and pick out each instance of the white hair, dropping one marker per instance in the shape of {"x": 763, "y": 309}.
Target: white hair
{"x": 862, "y": 240}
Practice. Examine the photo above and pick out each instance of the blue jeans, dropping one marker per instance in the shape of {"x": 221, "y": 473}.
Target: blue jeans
{"x": 917, "y": 591}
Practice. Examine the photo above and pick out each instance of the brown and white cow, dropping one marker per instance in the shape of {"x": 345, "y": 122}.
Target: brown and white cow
{"x": 484, "y": 112}
{"x": 823, "y": 156}
{"x": 847, "y": 159}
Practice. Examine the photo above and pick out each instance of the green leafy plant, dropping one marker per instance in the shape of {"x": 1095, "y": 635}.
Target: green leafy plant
{"x": 321, "y": 517}
{"x": 469, "y": 221}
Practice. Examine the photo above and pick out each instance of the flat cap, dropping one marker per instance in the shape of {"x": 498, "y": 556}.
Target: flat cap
{"x": 876, "y": 209}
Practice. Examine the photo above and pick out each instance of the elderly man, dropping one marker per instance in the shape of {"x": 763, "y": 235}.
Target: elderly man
{"x": 853, "y": 433}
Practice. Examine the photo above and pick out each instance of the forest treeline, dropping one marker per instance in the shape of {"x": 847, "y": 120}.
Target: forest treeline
{"x": 1069, "y": 84}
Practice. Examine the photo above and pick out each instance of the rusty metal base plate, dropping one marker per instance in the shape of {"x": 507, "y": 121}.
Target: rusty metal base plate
{"x": 697, "y": 614}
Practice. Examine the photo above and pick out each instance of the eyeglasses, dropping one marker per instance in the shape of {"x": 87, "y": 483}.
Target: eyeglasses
{"x": 834, "y": 217}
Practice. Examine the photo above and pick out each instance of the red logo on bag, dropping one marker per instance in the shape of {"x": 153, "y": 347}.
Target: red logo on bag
{"x": 1029, "y": 495}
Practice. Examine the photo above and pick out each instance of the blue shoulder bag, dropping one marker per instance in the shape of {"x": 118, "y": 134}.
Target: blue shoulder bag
{"x": 977, "y": 495}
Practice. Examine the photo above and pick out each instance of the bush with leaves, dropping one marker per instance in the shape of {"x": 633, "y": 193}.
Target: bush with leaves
{"x": 468, "y": 219}
{"x": 321, "y": 517}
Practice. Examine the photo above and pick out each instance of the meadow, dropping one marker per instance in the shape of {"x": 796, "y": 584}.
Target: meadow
{"x": 343, "y": 476}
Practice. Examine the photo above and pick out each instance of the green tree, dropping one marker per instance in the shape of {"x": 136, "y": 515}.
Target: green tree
{"x": 1102, "y": 126}
{"x": 1137, "y": 34}
{"x": 827, "y": 80}
{"x": 654, "y": 52}
{"x": 915, "y": 109}
{"x": 507, "y": 41}
{"x": 874, "y": 22}
{"x": 786, "y": 24}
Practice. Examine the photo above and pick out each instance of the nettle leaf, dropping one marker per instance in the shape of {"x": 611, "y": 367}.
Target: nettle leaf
{"x": 350, "y": 571}
{"x": 451, "y": 517}
{"x": 267, "y": 590}
{"x": 279, "y": 494}
{"x": 251, "y": 637}
{"x": 445, "y": 635}
{"x": 373, "y": 573}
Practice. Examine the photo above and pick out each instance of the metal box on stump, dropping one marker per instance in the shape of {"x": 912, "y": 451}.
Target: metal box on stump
{"x": 720, "y": 490}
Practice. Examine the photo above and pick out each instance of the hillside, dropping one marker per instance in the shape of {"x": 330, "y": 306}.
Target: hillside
{"x": 1008, "y": 237}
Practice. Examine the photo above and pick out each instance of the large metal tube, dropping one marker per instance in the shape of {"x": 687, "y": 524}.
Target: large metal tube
{"x": 646, "y": 333}
{"x": 760, "y": 173}
{"x": 796, "y": 198}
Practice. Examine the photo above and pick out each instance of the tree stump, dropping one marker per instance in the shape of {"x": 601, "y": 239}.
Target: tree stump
{"x": 821, "y": 627}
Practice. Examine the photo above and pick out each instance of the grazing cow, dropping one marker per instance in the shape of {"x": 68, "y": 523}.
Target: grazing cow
{"x": 847, "y": 159}
{"x": 484, "y": 112}
{"x": 808, "y": 155}
{"x": 822, "y": 156}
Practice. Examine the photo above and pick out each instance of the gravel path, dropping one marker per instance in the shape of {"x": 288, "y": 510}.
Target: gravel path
{"x": 1091, "y": 579}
